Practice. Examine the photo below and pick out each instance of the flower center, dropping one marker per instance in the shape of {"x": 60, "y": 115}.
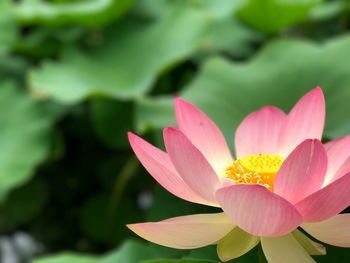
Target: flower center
{"x": 255, "y": 169}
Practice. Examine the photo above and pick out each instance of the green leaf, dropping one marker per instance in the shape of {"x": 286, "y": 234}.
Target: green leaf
{"x": 126, "y": 65}
{"x": 130, "y": 251}
{"x": 136, "y": 251}
{"x": 135, "y": 53}
{"x": 283, "y": 72}
{"x": 8, "y": 32}
{"x": 273, "y": 16}
{"x": 88, "y": 13}
{"x": 67, "y": 257}
{"x": 328, "y": 10}
{"x": 229, "y": 36}
{"x": 24, "y": 137}
{"x": 154, "y": 112}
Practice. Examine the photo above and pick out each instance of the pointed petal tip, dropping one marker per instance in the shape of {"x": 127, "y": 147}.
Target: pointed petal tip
{"x": 179, "y": 100}
{"x": 133, "y": 227}
{"x": 223, "y": 258}
{"x": 305, "y": 120}
{"x": 317, "y": 91}
{"x": 131, "y": 136}
{"x": 269, "y": 108}
{"x": 318, "y": 88}
{"x": 134, "y": 139}
{"x": 182, "y": 105}
{"x": 169, "y": 130}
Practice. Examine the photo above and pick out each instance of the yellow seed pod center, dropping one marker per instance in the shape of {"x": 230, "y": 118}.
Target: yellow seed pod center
{"x": 255, "y": 169}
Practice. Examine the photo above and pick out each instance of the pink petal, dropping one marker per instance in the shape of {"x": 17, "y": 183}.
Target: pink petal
{"x": 327, "y": 202}
{"x": 191, "y": 164}
{"x": 305, "y": 121}
{"x": 259, "y": 132}
{"x": 284, "y": 249}
{"x": 158, "y": 164}
{"x": 302, "y": 173}
{"x": 258, "y": 211}
{"x": 338, "y": 152}
{"x": 185, "y": 232}
{"x": 334, "y": 231}
{"x": 203, "y": 133}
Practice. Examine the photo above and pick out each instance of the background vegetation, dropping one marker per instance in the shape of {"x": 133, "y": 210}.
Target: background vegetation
{"x": 75, "y": 76}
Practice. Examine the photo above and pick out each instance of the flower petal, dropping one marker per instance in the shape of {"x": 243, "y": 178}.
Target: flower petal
{"x": 338, "y": 152}
{"x": 311, "y": 247}
{"x": 203, "y": 133}
{"x": 305, "y": 121}
{"x": 284, "y": 249}
{"x": 258, "y": 211}
{"x": 236, "y": 244}
{"x": 326, "y": 202}
{"x": 259, "y": 132}
{"x": 185, "y": 232}
{"x": 191, "y": 164}
{"x": 334, "y": 231}
{"x": 302, "y": 173}
{"x": 158, "y": 164}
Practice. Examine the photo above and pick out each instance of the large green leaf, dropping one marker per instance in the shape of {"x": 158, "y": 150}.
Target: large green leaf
{"x": 126, "y": 65}
{"x": 24, "y": 137}
{"x": 8, "y": 32}
{"x": 135, "y": 251}
{"x": 136, "y": 52}
{"x": 90, "y": 13}
{"x": 67, "y": 257}
{"x": 272, "y": 16}
{"x": 129, "y": 252}
{"x": 282, "y": 72}
{"x": 328, "y": 10}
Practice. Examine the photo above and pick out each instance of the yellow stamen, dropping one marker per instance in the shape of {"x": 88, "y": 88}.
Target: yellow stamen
{"x": 255, "y": 169}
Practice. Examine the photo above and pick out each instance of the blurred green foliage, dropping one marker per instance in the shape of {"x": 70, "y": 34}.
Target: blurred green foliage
{"x": 76, "y": 75}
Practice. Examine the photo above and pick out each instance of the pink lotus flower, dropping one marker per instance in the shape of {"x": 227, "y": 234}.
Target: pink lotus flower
{"x": 283, "y": 178}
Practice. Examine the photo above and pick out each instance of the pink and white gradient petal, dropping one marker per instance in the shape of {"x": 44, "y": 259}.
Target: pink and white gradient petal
{"x": 302, "y": 173}
{"x": 338, "y": 152}
{"x": 258, "y": 211}
{"x": 203, "y": 133}
{"x": 326, "y": 202}
{"x": 185, "y": 232}
{"x": 304, "y": 121}
{"x": 191, "y": 164}
{"x": 284, "y": 249}
{"x": 158, "y": 164}
{"x": 334, "y": 231}
{"x": 259, "y": 132}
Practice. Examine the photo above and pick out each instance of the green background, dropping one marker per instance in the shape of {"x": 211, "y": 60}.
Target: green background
{"x": 76, "y": 75}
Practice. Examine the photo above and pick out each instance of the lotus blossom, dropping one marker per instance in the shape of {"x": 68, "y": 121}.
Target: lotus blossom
{"x": 283, "y": 178}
